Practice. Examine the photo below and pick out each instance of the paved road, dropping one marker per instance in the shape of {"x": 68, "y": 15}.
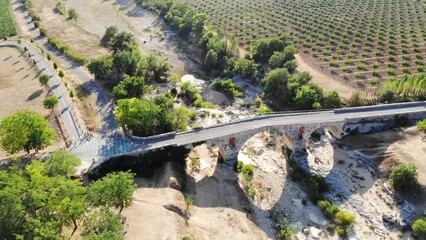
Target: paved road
{"x": 65, "y": 107}
{"x": 110, "y": 147}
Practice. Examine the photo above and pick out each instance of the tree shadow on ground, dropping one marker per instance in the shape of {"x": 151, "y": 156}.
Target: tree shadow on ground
{"x": 34, "y": 95}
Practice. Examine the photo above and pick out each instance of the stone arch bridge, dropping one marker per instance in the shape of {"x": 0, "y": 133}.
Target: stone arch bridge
{"x": 295, "y": 128}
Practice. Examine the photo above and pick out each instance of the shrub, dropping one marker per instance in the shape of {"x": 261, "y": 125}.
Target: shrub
{"x": 419, "y": 227}
{"x": 344, "y": 218}
{"x": 422, "y": 125}
{"x": 263, "y": 110}
{"x": 239, "y": 166}
{"x": 228, "y": 87}
{"x": 189, "y": 201}
{"x": 248, "y": 169}
{"x": 403, "y": 176}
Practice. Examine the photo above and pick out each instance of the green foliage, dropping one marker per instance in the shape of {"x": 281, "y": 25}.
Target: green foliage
{"x": 285, "y": 232}
{"x": 122, "y": 42}
{"x": 50, "y": 102}
{"x": 189, "y": 201}
{"x": 109, "y": 34}
{"x": 278, "y": 59}
{"x": 187, "y": 238}
{"x": 61, "y": 163}
{"x": 263, "y": 110}
{"x": 66, "y": 50}
{"x": 276, "y": 85}
{"x": 61, "y": 74}
{"x": 211, "y": 60}
{"x": 7, "y": 27}
{"x": 43, "y": 79}
{"x": 341, "y": 218}
{"x": 130, "y": 87}
{"x": 113, "y": 190}
{"x": 60, "y": 8}
{"x": 101, "y": 67}
{"x": 246, "y": 68}
{"x": 317, "y": 186}
{"x": 156, "y": 67}
{"x": 248, "y": 169}
{"x": 34, "y": 205}
{"x": 25, "y": 130}
{"x": 307, "y": 95}
{"x": 331, "y": 100}
{"x": 413, "y": 86}
{"x": 263, "y": 49}
{"x": 419, "y": 227}
{"x": 228, "y": 87}
{"x": 421, "y": 125}
{"x": 403, "y": 177}
{"x": 239, "y": 166}
{"x": 103, "y": 224}
{"x": 190, "y": 92}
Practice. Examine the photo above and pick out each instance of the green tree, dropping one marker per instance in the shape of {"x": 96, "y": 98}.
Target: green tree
{"x": 264, "y": 48}
{"x": 109, "y": 34}
{"x": 331, "y": 100}
{"x": 43, "y": 79}
{"x": 122, "y": 42}
{"x": 25, "y": 130}
{"x": 61, "y": 163}
{"x": 275, "y": 83}
{"x": 278, "y": 59}
{"x": 126, "y": 63}
{"x": 113, "y": 190}
{"x": 103, "y": 224}
{"x": 211, "y": 60}
{"x": 307, "y": 95}
{"x": 419, "y": 227}
{"x": 50, "y": 102}
{"x": 246, "y": 68}
{"x": 156, "y": 67}
{"x": 180, "y": 118}
{"x": 291, "y": 66}
{"x": 101, "y": 67}
{"x": 130, "y": 87}
{"x": 403, "y": 177}
{"x": 61, "y": 74}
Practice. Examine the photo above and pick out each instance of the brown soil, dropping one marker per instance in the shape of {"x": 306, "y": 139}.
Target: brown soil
{"x": 321, "y": 78}
{"x": 20, "y": 89}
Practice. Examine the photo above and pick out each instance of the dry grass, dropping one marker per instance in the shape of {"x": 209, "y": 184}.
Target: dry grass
{"x": 20, "y": 89}
{"x": 68, "y": 31}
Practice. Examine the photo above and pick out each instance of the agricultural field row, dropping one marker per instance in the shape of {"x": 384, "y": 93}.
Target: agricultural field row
{"x": 7, "y": 27}
{"x": 332, "y": 32}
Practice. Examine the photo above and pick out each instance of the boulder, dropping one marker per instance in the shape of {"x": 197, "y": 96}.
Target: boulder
{"x": 174, "y": 183}
{"x": 315, "y": 233}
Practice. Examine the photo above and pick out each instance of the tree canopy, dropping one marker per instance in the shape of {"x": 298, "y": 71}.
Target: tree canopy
{"x": 113, "y": 190}
{"x": 25, "y": 130}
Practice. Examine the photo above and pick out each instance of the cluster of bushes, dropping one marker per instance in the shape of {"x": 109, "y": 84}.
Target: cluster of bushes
{"x": 190, "y": 93}
{"x": 297, "y": 89}
{"x": 127, "y": 60}
{"x": 228, "y": 87}
{"x": 145, "y": 117}
{"x": 342, "y": 219}
{"x": 247, "y": 170}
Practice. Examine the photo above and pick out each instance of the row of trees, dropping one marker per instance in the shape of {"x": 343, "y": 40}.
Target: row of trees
{"x": 40, "y": 201}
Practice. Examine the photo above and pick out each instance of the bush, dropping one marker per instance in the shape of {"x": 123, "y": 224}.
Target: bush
{"x": 239, "y": 166}
{"x": 419, "y": 227}
{"x": 248, "y": 169}
{"x": 344, "y": 218}
{"x": 403, "y": 176}
{"x": 228, "y": 87}
{"x": 189, "y": 201}
{"x": 422, "y": 125}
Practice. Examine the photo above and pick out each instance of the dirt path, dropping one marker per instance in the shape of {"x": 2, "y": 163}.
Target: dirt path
{"x": 323, "y": 80}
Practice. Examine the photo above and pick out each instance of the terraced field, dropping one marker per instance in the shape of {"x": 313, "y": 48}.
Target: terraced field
{"x": 7, "y": 27}
{"x": 356, "y": 40}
